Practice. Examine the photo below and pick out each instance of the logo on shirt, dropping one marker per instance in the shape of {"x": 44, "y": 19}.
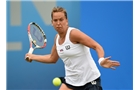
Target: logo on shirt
{"x": 61, "y": 50}
{"x": 67, "y": 47}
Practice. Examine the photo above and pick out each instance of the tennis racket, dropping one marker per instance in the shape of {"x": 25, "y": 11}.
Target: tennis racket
{"x": 37, "y": 38}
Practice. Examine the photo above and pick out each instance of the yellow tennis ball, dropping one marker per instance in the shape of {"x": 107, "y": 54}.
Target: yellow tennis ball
{"x": 56, "y": 81}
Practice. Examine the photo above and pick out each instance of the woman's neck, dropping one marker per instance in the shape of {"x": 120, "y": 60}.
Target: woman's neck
{"x": 63, "y": 34}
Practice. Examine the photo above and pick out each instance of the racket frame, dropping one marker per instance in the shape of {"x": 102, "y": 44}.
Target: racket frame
{"x": 32, "y": 41}
{"x": 30, "y": 37}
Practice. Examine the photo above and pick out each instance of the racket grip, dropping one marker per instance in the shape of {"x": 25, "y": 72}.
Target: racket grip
{"x": 30, "y": 51}
{"x": 27, "y": 59}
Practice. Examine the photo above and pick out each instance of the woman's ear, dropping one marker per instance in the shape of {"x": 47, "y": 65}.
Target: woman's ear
{"x": 67, "y": 23}
{"x": 52, "y": 22}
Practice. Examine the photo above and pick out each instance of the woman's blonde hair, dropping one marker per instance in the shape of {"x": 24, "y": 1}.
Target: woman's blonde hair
{"x": 58, "y": 9}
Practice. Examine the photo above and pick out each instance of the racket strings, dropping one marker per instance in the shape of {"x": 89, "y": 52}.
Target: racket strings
{"x": 38, "y": 35}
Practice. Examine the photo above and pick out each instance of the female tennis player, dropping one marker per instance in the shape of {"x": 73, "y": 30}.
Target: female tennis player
{"x": 73, "y": 47}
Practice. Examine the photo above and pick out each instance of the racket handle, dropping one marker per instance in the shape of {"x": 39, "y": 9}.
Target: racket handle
{"x": 27, "y": 59}
{"x": 30, "y": 51}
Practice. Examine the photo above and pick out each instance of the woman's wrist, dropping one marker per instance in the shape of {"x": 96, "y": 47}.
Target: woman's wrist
{"x": 100, "y": 60}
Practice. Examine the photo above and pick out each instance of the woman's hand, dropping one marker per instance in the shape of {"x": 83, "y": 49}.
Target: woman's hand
{"x": 107, "y": 63}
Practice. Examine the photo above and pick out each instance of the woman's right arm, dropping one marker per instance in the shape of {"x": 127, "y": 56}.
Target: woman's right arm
{"x": 49, "y": 58}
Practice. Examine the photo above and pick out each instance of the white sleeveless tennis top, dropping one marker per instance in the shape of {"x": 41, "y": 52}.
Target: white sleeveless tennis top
{"x": 80, "y": 67}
